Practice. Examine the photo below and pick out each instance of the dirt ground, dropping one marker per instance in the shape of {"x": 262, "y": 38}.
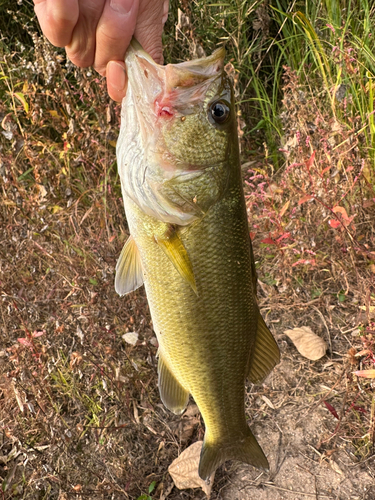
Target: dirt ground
{"x": 292, "y": 439}
{"x": 79, "y": 408}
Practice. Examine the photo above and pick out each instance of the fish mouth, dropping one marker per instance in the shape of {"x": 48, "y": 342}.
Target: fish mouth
{"x": 173, "y": 89}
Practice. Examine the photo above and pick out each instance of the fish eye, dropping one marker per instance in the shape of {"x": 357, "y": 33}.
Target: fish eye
{"x": 219, "y": 111}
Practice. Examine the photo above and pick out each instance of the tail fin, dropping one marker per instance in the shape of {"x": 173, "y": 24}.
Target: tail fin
{"x": 245, "y": 449}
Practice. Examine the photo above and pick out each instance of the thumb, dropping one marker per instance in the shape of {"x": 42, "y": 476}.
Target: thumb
{"x": 152, "y": 15}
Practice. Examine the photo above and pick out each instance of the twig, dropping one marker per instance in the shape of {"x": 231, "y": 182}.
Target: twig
{"x": 299, "y": 304}
{"x": 44, "y": 251}
{"x": 325, "y": 324}
{"x": 313, "y": 495}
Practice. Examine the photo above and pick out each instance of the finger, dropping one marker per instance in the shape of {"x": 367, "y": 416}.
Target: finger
{"x": 57, "y": 19}
{"x": 116, "y": 80}
{"x": 81, "y": 49}
{"x": 151, "y": 18}
{"x": 114, "y": 32}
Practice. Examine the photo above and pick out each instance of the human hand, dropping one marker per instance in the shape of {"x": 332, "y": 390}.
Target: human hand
{"x": 97, "y": 33}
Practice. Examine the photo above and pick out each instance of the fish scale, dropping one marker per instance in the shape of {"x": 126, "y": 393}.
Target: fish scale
{"x": 199, "y": 272}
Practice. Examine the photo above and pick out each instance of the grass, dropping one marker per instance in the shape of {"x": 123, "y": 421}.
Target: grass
{"x": 79, "y": 409}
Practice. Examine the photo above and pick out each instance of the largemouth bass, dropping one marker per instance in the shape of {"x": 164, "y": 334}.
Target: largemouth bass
{"x": 178, "y": 160}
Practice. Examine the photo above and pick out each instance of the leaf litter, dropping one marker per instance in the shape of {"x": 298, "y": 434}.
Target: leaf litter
{"x": 184, "y": 470}
{"x": 310, "y": 345}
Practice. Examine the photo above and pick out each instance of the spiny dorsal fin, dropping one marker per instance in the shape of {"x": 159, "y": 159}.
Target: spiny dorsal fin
{"x": 174, "y": 249}
{"x": 173, "y": 395}
{"x": 266, "y": 354}
{"x": 129, "y": 274}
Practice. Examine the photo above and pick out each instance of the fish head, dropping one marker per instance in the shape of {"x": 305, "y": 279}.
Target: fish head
{"x": 178, "y": 131}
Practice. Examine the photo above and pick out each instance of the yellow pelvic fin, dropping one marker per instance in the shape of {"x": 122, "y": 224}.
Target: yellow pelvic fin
{"x": 245, "y": 449}
{"x": 173, "y": 395}
{"x": 129, "y": 274}
{"x": 174, "y": 249}
{"x": 265, "y": 355}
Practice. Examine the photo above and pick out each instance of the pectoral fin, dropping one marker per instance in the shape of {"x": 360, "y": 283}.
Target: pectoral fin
{"x": 174, "y": 249}
{"x": 266, "y": 354}
{"x": 129, "y": 274}
{"x": 173, "y": 395}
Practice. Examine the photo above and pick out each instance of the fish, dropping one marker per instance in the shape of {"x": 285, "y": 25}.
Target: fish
{"x": 189, "y": 245}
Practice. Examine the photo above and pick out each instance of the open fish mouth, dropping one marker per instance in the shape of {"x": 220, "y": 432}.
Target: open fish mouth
{"x": 173, "y": 90}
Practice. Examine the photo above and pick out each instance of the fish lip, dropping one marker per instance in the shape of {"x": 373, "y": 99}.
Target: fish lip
{"x": 136, "y": 48}
{"x": 186, "y": 73}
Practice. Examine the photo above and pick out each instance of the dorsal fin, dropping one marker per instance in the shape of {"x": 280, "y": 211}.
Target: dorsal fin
{"x": 129, "y": 274}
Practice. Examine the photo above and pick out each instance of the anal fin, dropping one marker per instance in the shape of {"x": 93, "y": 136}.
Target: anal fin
{"x": 266, "y": 354}
{"x": 129, "y": 274}
{"x": 173, "y": 395}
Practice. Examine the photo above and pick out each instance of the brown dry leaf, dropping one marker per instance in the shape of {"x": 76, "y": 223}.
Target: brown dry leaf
{"x": 184, "y": 427}
{"x": 335, "y": 467}
{"x": 365, "y": 373}
{"x": 307, "y": 342}
{"x": 184, "y": 470}
{"x": 191, "y": 411}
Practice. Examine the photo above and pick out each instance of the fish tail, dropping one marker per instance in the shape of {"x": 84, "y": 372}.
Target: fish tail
{"x": 245, "y": 449}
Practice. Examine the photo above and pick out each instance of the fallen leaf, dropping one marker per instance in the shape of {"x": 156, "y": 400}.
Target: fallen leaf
{"x": 269, "y": 241}
{"x": 365, "y": 373}
{"x": 268, "y": 402}
{"x": 184, "y": 427}
{"x": 191, "y": 411}
{"x": 370, "y": 309}
{"x": 310, "y": 161}
{"x": 307, "y": 342}
{"x": 341, "y": 210}
{"x": 331, "y": 410}
{"x": 305, "y": 198}
{"x": 335, "y": 467}
{"x": 334, "y": 223}
{"x": 130, "y": 338}
{"x": 310, "y": 262}
{"x": 24, "y": 341}
{"x": 184, "y": 470}
{"x": 42, "y": 191}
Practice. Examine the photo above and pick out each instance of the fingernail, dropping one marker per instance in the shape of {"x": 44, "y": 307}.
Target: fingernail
{"x": 122, "y": 6}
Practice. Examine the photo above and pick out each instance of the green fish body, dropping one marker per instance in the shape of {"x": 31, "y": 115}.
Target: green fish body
{"x": 178, "y": 160}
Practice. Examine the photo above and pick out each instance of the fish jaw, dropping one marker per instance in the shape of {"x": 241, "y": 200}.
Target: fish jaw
{"x": 151, "y": 159}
